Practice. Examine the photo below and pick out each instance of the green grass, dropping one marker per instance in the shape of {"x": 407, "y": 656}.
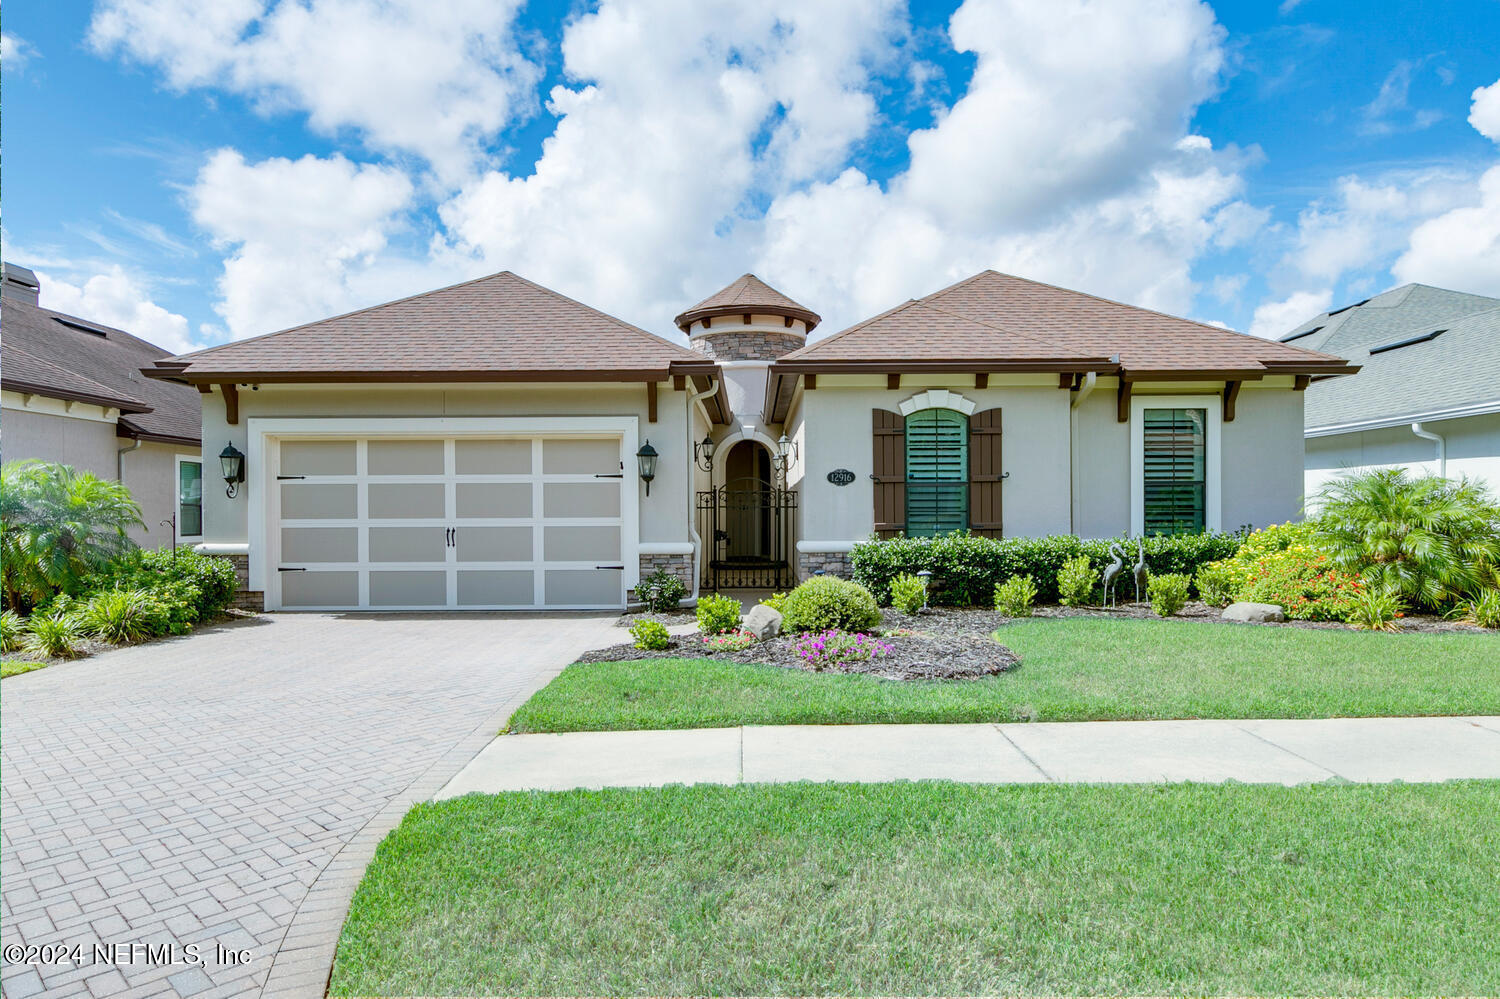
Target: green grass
{"x": 916, "y": 889}
{"x": 16, "y": 667}
{"x": 1072, "y": 669}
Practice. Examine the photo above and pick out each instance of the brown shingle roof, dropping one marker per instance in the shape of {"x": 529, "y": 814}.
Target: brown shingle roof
{"x": 496, "y": 328}
{"x": 999, "y": 319}
{"x": 53, "y": 354}
{"x": 747, "y": 293}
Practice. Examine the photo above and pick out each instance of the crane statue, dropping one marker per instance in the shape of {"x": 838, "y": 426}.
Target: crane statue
{"x": 1141, "y": 573}
{"x": 1113, "y": 570}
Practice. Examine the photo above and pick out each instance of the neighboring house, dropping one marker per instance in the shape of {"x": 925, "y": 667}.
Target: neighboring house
{"x": 73, "y": 392}
{"x": 485, "y": 445}
{"x": 1427, "y": 396}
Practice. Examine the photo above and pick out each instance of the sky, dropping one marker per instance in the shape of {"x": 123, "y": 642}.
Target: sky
{"x": 202, "y": 172}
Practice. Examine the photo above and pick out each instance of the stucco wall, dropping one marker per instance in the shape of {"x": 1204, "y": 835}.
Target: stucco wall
{"x": 151, "y": 476}
{"x": 1261, "y": 481}
{"x": 1101, "y": 465}
{"x": 664, "y": 514}
{"x": 1473, "y": 445}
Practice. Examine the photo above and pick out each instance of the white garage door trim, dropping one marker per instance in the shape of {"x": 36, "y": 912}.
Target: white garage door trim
{"x": 265, "y": 435}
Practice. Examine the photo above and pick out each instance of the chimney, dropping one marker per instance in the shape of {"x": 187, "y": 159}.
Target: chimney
{"x": 19, "y": 283}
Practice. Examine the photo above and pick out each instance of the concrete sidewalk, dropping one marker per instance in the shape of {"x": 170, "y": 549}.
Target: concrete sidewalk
{"x": 1372, "y": 750}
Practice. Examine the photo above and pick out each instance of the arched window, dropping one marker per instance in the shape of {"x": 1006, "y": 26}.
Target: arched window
{"x": 937, "y": 472}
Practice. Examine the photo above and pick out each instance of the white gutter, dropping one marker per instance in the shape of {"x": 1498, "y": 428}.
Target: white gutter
{"x": 1382, "y": 423}
{"x": 1090, "y": 379}
{"x": 1442, "y": 444}
{"x": 692, "y": 506}
{"x": 120, "y": 460}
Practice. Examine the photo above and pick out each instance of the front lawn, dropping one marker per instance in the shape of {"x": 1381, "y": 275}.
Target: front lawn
{"x": 920, "y": 889}
{"x": 1072, "y": 669}
{"x": 11, "y": 667}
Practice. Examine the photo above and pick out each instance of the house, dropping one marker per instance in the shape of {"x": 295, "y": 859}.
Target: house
{"x": 497, "y": 445}
{"x": 1427, "y": 396}
{"x": 72, "y": 392}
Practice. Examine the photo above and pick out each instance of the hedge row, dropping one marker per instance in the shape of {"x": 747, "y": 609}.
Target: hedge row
{"x": 965, "y": 567}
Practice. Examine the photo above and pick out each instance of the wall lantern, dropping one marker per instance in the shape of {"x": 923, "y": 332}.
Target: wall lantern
{"x": 786, "y": 455}
{"x": 233, "y": 464}
{"x": 646, "y": 456}
{"x": 703, "y": 453}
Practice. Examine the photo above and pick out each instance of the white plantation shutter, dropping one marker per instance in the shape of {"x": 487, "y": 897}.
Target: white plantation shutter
{"x": 937, "y": 472}
{"x": 1174, "y": 470}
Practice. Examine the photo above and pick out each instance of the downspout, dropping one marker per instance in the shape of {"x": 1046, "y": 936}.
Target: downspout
{"x": 1090, "y": 379}
{"x": 693, "y": 535}
{"x": 1442, "y": 444}
{"x": 120, "y": 460}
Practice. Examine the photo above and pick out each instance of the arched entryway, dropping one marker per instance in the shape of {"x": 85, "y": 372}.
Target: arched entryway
{"x": 747, "y": 521}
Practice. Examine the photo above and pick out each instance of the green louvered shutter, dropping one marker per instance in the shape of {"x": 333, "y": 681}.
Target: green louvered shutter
{"x": 937, "y": 472}
{"x": 1173, "y": 473}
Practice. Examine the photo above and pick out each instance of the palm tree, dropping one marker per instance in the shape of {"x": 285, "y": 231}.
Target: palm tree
{"x": 56, "y": 526}
{"x": 1426, "y": 539}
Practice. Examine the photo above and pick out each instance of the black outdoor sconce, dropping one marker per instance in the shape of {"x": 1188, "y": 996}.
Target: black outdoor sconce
{"x": 786, "y": 455}
{"x": 233, "y": 464}
{"x": 646, "y": 456}
{"x": 703, "y": 453}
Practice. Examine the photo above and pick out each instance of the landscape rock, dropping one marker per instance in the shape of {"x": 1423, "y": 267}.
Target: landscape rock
{"x": 1257, "y": 613}
{"x": 763, "y": 622}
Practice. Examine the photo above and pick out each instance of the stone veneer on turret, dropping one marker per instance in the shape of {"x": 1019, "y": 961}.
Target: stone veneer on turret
{"x": 747, "y": 321}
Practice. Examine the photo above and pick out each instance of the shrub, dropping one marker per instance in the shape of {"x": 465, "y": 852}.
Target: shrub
{"x": 1215, "y": 584}
{"x": 717, "y": 614}
{"x": 1304, "y": 582}
{"x": 12, "y": 631}
{"x": 1375, "y": 610}
{"x": 729, "y": 641}
{"x": 56, "y": 526}
{"x": 908, "y": 593}
{"x": 833, "y": 646}
{"x": 122, "y": 616}
{"x": 1076, "y": 581}
{"x": 1014, "y": 597}
{"x": 776, "y": 601}
{"x": 825, "y": 602}
{"x": 53, "y": 635}
{"x": 194, "y": 587}
{"x": 661, "y": 591}
{"x": 1168, "y": 593}
{"x": 1427, "y": 540}
{"x": 965, "y": 567}
{"x": 1484, "y": 610}
{"x": 650, "y": 634}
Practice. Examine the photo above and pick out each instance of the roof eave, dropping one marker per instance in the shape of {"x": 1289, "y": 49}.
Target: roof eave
{"x": 67, "y": 395}
{"x": 314, "y": 376}
{"x": 687, "y": 319}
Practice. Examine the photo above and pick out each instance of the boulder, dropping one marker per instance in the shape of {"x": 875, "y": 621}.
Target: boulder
{"x": 763, "y": 622}
{"x": 1258, "y": 613}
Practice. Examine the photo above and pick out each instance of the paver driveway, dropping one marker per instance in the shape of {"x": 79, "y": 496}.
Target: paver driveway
{"x": 204, "y": 790}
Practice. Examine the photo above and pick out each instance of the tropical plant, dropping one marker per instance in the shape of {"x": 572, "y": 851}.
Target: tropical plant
{"x": 122, "y": 616}
{"x": 1375, "y": 610}
{"x": 717, "y": 614}
{"x": 1014, "y": 597}
{"x": 12, "y": 631}
{"x": 1076, "y": 581}
{"x": 649, "y": 634}
{"x": 908, "y": 593}
{"x": 1168, "y": 593}
{"x": 56, "y": 526}
{"x": 828, "y": 602}
{"x": 1484, "y": 610}
{"x": 1427, "y": 540}
{"x": 661, "y": 591}
{"x": 53, "y": 635}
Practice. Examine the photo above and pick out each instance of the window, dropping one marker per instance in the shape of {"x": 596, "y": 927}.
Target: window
{"x": 937, "y": 472}
{"x": 189, "y": 498}
{"x": 1174, "y": 470}
{"x": 1174, "y": 465}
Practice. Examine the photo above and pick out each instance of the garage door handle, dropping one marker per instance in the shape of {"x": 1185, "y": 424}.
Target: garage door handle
{"x": 609, "y": 475}
{"x": 282, "y": 568}
{"x": 609, "y": 567}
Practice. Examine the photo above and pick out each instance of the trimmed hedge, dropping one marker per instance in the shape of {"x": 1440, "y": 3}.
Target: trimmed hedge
{"x": 966, "y": 568}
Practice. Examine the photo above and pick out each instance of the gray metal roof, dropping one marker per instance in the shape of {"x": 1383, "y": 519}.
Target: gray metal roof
{"x": 1457, "y": 370}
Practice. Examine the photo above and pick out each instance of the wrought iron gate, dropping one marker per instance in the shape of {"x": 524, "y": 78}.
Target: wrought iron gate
{"x": 749, "y": 527}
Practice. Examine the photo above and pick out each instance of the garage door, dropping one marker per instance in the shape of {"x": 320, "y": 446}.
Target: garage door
{"x": 410, "y": 524}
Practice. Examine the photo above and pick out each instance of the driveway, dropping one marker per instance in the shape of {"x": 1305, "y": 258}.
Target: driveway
{"x": 223, "y": 792}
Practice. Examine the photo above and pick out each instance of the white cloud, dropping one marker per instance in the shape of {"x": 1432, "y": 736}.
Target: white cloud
{"x": 1459, "y": 249}
{"x": 1275, "y": 319}
{"x": 302, "y": 235}
{"x": 1484, "y": 115}
{"x": 16, "y": 52}
{"x": 1388, "y": 112}
{"x": 115, "y": 298}
{"x": 439, "y": 80}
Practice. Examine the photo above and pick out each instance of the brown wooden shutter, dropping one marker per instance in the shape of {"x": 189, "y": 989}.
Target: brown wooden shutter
{"x": 985, "y": 476}
{"x": 889, "y": 442}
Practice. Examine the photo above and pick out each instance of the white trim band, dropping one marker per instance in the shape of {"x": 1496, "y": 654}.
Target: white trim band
{"x": 222, "y": 548}
{"x": 665, "y": 548}
{"x": 826, "y": 547}
{"x": 1385, "y": 422}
